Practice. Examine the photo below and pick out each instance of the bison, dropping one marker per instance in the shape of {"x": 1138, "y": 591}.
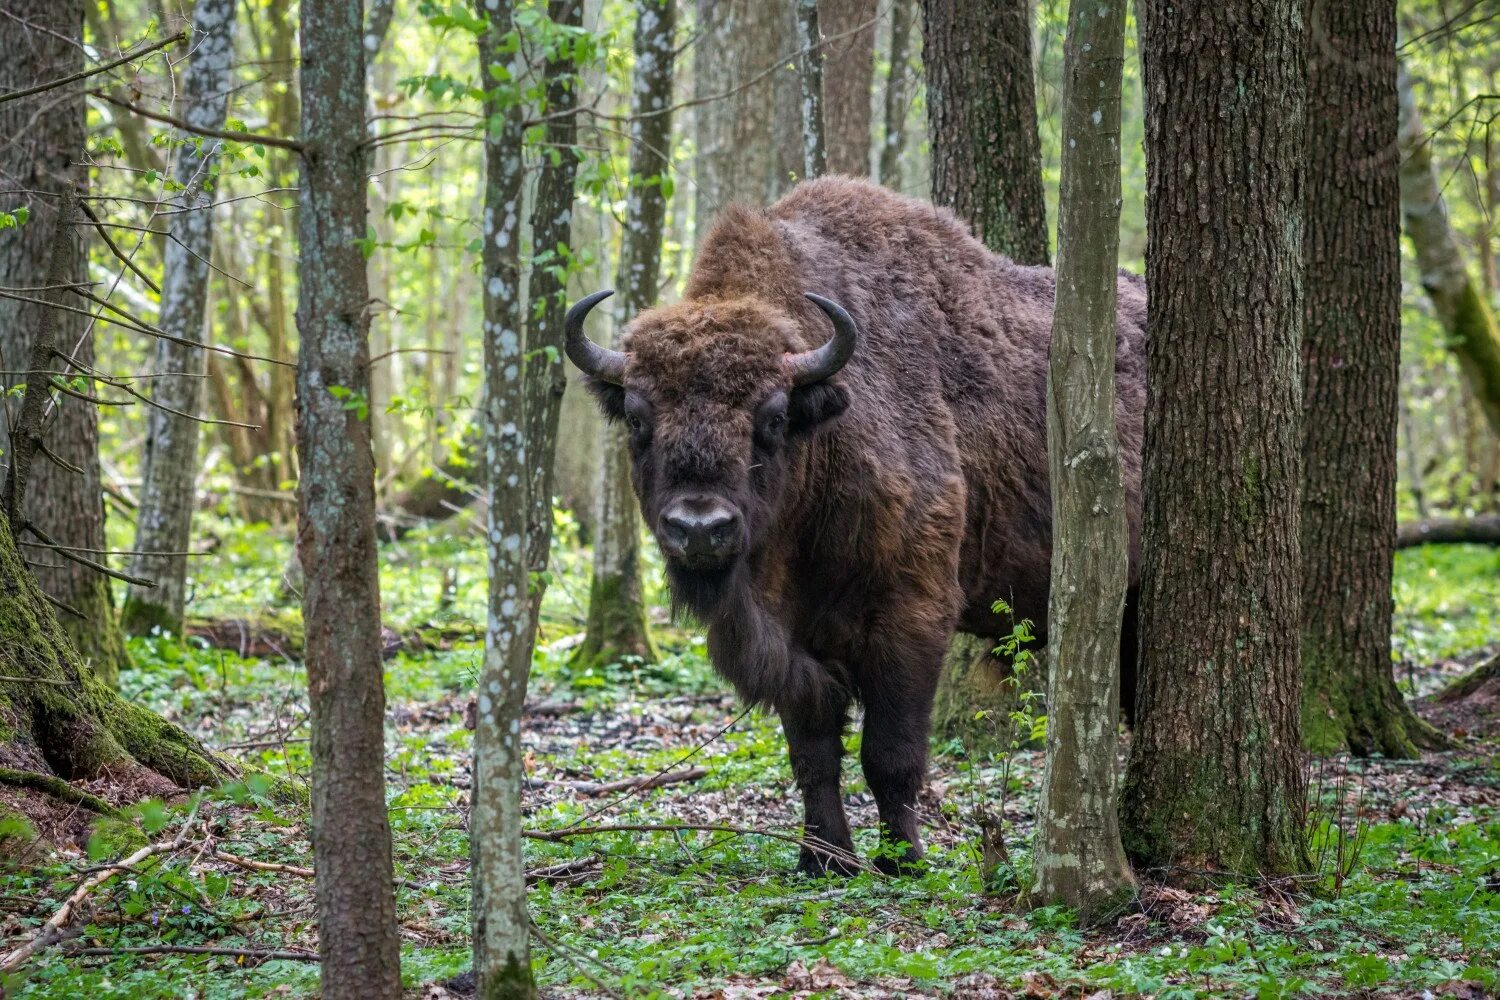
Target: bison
{"x": 838, "y": 440}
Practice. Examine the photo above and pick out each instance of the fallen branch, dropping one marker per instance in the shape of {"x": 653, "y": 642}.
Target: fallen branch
{"x": 639, "y": 784}
{"x": 562, "y": 870}
{"x": 191, "y": 949}
{"x": 1449, "y": 531}
{"x": 262, "y": 866}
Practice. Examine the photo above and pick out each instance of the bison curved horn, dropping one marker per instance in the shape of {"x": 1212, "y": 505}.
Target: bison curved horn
{"x": 600, "y": 362}
{"x": 820, "y": 363}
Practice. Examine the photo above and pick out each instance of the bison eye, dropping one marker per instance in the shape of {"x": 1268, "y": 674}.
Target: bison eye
{"x": 634, "y": 423}
{"x": 777, "y": 423}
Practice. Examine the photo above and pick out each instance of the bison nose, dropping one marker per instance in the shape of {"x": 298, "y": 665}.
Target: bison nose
{"x": 696, "y": 531}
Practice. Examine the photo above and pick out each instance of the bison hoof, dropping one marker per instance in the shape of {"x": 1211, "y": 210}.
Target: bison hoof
{"x": 817, "y": 865}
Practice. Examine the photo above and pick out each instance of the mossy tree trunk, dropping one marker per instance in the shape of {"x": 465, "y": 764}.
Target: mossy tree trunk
{"x": 1351, "y": 356}
{"x": 1215, "y": 779}
{"x": 617, "y": 609}
{"x": 39, "y": 157}
{"x": 978, "y": 693}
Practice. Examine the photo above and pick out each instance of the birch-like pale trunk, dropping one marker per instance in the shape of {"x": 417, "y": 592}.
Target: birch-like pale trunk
{"x": 810, "y": 76}
{"x": 501, "y": 930}
{"x": 1473, "y": 332}
{"x": 617, "y": 611}
{"x": 351, "y": 833}
{"x": 894, "y": 142}
{"x": 1079, "y": 861}
{"x": 163, "y": 527}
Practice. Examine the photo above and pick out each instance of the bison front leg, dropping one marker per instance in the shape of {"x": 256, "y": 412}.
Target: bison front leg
{"x": 815, "y": 742}
{"x": 893, "y": 752}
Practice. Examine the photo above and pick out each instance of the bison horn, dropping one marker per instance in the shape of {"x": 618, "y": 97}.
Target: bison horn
{"x": 600, "y": 362}
{"x": 819, "y": 363}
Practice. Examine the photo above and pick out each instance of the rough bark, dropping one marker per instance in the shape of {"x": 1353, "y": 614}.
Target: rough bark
{"x": 357, "y": 937}
{"x": 893, "y": 144}
{"x": 810, "y": 80}
{"x": 164, "y": 516}
{"x": 1473, "y": 332}
{"x": 1079, "y": 860}
{"x": 502, "y": 964}
{"x": 981, "y": 116}
{"x": 1351, "y": 354}
{"x": 1215, "y": 781}
{"x": 617, "y": 610}
{"x": 44, "y": 137}
{"x": 749, "y": 142}
{"x": 848, "y": 78}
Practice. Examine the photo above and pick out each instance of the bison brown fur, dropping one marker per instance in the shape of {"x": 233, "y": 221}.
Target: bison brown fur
{"x": 832, "y": 535}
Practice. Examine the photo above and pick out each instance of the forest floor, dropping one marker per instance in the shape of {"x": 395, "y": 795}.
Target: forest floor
{"x": 1405, "y": 902}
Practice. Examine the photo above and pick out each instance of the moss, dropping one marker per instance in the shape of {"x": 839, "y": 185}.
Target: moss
{"x": 56, "y": 788}
{"x": 163, "y": 747}
{"x": 977, "y": 693}
{"x": 616, "y": 626}
{"x": 113, "y": 836}
{"x": 140, "y": 616}
{"x": 511, "y": 983}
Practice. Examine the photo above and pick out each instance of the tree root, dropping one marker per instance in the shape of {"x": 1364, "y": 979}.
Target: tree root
{"x": 56, "y": 788}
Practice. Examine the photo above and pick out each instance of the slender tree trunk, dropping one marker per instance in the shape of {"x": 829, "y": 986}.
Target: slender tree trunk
{"x": 893, "y": 145}
{"x": 810, "y": 77}
{"x": 849, "y": 77}
{"x": 1079, "y": 859}
{"x": 44, "y": 138}
{"x": 1473, "y": 332}
{"x": 981, "y": 113}
{"x": 1215, "y": 779}
{"x": 164, "y": 517}
{"x": 1351, "y": 356}
{"x": 749, "y": 142}
{"x": 617, "y": 610}
{"x": 501, "y": 933}
{"x": 351, "y": 833}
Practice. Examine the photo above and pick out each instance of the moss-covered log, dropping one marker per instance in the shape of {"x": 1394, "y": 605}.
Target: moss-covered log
{"x": 57, "y": 719}
{"x": 979, "y": 692}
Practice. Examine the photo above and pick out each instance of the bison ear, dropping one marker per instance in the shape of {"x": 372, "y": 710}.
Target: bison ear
{"x": 610, "y": 397}
{"x": 810, "y": 406}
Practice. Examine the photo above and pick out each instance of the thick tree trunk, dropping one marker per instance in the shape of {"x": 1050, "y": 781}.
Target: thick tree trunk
{"x": 351, "y": 834}
{"x": 1215, "y": 779}
{"x": 617, "y": 610}
{"x": 38, "y": 159}
{"x": 981, "y": 114}
{"x": 750, "y": 141}
{"x": 1079, "y": 859}
{"x": 848, "y": 78}
{"x": 893, "y": 144}
{"x": 501, "y": 929}
{"x": 1351, "y": 356}
{"x": 164, "y": 516}
{"x": 1473, "y": 332}
{"x": 60, "y": 720}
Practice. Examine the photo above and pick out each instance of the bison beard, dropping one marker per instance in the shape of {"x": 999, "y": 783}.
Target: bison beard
{"x": 832, "y": 507}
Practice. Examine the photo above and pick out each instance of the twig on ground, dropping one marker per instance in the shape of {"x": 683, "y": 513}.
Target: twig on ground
{"x": 190, "y": 949}
{"x": 262, "y": 866}
{"x": 639, "y": 784}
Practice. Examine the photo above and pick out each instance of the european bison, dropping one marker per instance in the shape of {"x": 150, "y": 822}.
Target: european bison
{"x": 831, "y": 508}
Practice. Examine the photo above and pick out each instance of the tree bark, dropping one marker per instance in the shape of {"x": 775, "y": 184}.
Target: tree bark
{"x": 1351, "y": 354}
{"x": 1473, "y": 332}
{"x": 893, "y": 145}
{"x": 44, "y": 138}
{"x": 1079, "y": 860}
{"x": 617, "y": 610}
{"x": 981, "y": 117}
{"x": 749, "y": 135}
{"x": 1449, "y": 531}
{"x": 1215, "y": 779}
{"x": 501, "y": 930}
{"x": 810, "y": 79}
{"x": 357, "y": 937}
{"x": 164, "y": 517}
{"x": 848, "y": 79}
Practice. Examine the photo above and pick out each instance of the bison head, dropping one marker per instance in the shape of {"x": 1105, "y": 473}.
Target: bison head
{"x": 716, "y": 402}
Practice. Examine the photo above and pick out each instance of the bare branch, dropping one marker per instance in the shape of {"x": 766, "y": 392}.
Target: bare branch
{"x": 250, "y": 138}
{"x": 128, "y": 57}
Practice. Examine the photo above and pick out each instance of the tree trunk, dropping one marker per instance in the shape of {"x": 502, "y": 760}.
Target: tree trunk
{"x": 979, "y": 692}
{"x": 617, "y": 610}
{"x": 501, "y": 929}
{"x": 357, "y": 937}
{"x": 1215, "y": 778}
{"x": 1351, "y": 356}
{"x": 810, "y": 78}
{"x": 981, "y": 113}
{"x": 164, "y": 516}
{"x": 848, "y": 79}
{"x": 1473, "y": 332}
{"x": 1079, "y": 859}
{"x": 749, "y": 136}
{"x": 44, "y": 139}
{"x": 893, "y": 145}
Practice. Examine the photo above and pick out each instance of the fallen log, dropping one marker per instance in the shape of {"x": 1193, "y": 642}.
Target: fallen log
{"x": 1449, "y": 531}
